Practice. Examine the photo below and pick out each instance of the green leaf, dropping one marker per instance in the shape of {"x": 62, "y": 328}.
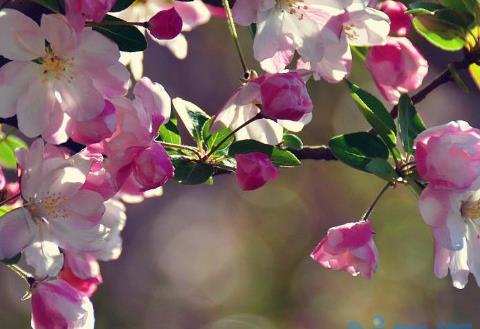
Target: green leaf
{"x": 168, "y": 132}
{"x": 474, "y": 70}
{"x": 193, "y": 117}
{"x": 192, "y": 173}
{"x": 438, "y": 33}
{"x": 52, "y": 5}
{"x": 410, "y": 123}
{"x": 214, "y": 139}
{"x": 376, "y": 114}
{"x": 424, "y": 7}
{"x": 293, "y": 142}
{"x": 206, "y": 129}
{"x": 363, "y": 151}
{"x": 121, "y": 5}
{"x": 128, "y": 38}
{"x": 279, "y": 157}
{"x": 12, "y": 261}
{"x": 8, "y": 145}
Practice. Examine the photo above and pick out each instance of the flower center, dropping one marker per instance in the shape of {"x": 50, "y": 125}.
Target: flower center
{"x": 55, "y": 67}
{"x": 48, "y": 207}
{"x": 296, "y": 8}
{"x": 470, "y": 209}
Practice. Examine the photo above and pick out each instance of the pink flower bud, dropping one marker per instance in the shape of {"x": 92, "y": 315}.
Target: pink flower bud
{"x": 166, "y": 24}
{"x": 350, "y": 248}
{"x": 285, "y": 96}
{"x": 56, "y": 304}
{"x": 397, "y": 67}
{"x": 448, "y": 156}
{"x": 152, "y": 167}
{"x": 94, "y": 130}
{"x": 400, "y": 22}
{"x": 82, "y": 272}
{"x": 254, "y": 170}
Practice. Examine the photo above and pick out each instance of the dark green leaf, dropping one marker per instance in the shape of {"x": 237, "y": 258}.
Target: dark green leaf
{"x": 279, "y": 157}
{"x": 168, "y": 132}
{"x": 206, "y": 129}
{"x": 121, "y": 5}
{"x": 52, "y": 5}
{"x": 214, "y": 139}
{"x": 12, "y": 261}
{"x": 192, "y": 173}
{"x": 293, "y": 142}
{"x": 376, "y": 114}
{"x": 193, "y": 117}
{"x": 410, "y": 123}
{"x": 128, "y": 38}
{"x": 363, "y": 151}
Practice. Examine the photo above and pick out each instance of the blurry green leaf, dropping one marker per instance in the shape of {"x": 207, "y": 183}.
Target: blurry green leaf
{"x": 8, "y": 145}
{"x": 279, "y": 157}
{"x": 474, "y": 70}
{"x": 410, "y": 123}
{"x": 253, "y": 29}
{"x": 439, "y": 33}
{"x": 121, "y": 5}
{"x": 128, "y": 38}
{"x": 12, "y": 261}
{"x": 168, "y": 132}
{"x": 363, "y": 151}
{"x": 193, "y": 117}
{"x": 192, "y": 173}
{"x": 376, "y": 114}
{"x": 52, "y": 5}
{"x": 291, "y": 141}
{"x": 424, "y": 7}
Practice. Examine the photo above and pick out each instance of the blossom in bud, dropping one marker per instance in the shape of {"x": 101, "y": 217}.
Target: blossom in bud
{"x": 448, "y": 156}
{"x": 254, "y": 170}
{"x": 94, "y": 130}
{"x": 152, "y": 167}
{"x": 397, "y": 68}
{"x": 166, "y": 24}
{"x": 350, "y": 248}
{"x": 82, "y": 272}
{"x": 56, "y": 304}
{"x": 285, "y": 96}
{"x": 55, "y": 73}
{"x": 454, "y": 217}
{"x": 400, "y": 22}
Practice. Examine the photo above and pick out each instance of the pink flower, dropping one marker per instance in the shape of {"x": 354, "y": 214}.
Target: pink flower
{"x": 82, "y": 272}
{"x": 448, "y": 156}
{"x": 56, "y": 304}
{"x": 397, "y": 68}
{"x": 56, "y": 208}
{"x": 55, "y": 74}
{"x": 245, "y": 102}
{"x": 90, "y": 9}
{"x": 285, "y": 97}
{"x": 166, "y": 24}
{"x": 350, "y": 248}
{"x": 153, "y": 167}
{"x": 400, "y": 22}
{"x": 254, "y": 170}
{"x": 94, "y": 130}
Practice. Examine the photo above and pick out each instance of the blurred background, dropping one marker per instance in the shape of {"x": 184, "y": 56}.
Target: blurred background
{"x": 213, "y": 257}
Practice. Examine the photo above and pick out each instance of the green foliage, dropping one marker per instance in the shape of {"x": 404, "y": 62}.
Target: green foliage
{"x": 12, "y": 261}
{"x": 168, "y": 132}
{"x": 121, "y": 5}
{"x": 474, "y": 70}
{"x": 192, "y": 173}
{"x": 365, "y": 152}
{"x": 52, "y": 5}
{"x": 410, "y": 123}
{"x": 193, "y": 117}
{"x": 127, "y": 37}
{"x": 293, "y": 142}
{"x": 8, "y": 145}
{"x": 279, "y": 157}
{"x": 214, "y": 140}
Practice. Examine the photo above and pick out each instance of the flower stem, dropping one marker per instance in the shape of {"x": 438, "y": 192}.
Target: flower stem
{"x": 226, "y": 138}
{"x": 181, "y": 147}
{"x": 233, "y": 32}
{"x": 374, "y": 203}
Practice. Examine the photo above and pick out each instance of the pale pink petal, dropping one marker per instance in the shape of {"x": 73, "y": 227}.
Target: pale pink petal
{"x": 17, "y": 231}
{"x": 59, "y": 33}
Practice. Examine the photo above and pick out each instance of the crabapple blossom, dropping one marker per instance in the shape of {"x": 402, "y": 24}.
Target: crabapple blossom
{"x": 397, "y": 67}
{"x": 82, "y": 272}
{"x": 55, "y": 207}
{"x": 320, "y": 31}
{"x": 45, "y": 258}
{"x": 254, "y": 170}
{"x": 192, "y": 13}
{"x": 244, "y": 105}
{"x": 78, "y": 11}
{"x": 400, "y": 22}
{"x": 349, "y": 247}
{"x": 448, "y": 156}
{"x": 56, "y": 304}
{"x": 165, "y": 25}
{"x": 55, "y": 73}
